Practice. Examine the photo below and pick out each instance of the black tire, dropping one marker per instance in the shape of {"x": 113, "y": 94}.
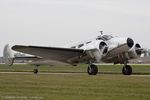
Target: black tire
{"x": 92, "y": 69}
{"x": 35, "y": 71}
{"x": 127, "y": 70}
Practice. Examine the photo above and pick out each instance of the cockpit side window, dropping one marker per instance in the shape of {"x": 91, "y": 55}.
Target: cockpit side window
{"x": 80, "y": 45}
{"x": 99, "y": 38}
{"x": 104, "y": 37}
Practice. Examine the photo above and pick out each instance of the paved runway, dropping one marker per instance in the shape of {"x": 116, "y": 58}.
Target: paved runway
{"x": 55, "y": 73}
{"x": 59, "y": 73}
{"x": 141, "y": 75}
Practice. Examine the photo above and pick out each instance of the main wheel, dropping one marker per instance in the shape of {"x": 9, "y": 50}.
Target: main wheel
{"x": 35, "y": 71}
{"x": 127, "y": 70}
{"x": 92, "y": 69}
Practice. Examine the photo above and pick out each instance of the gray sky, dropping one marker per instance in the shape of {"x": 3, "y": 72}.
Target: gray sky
{"x": 59, "y": 22}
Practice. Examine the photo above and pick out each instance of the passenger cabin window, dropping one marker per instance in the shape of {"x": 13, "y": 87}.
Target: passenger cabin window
{"x": 73, "y": 47}
{"x": 88, "y": 42}
{"x": 80, "y": 45}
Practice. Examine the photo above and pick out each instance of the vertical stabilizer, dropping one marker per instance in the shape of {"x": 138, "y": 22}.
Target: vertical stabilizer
{"x": 8, "y": 56}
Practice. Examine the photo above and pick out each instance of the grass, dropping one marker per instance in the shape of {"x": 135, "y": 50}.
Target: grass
{"x": 111, "y": 85}
{"x": 108, "y": 69}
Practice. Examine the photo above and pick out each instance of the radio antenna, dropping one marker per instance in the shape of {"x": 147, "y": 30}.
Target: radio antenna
{"x": 101, "y": 32}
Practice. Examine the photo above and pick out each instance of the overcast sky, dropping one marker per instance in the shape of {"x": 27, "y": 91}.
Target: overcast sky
{"x": 59, "y": 22}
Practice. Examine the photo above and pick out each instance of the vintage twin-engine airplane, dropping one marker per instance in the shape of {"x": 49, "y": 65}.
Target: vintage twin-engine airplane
{"x": 104, "y": 48}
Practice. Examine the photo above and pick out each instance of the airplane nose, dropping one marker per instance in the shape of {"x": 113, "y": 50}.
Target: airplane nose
{"x": 130, "y": 42}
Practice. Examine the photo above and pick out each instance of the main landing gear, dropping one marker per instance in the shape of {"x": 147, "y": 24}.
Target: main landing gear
{"x": 92, "y": 69}
{"x": 127, "y": 70}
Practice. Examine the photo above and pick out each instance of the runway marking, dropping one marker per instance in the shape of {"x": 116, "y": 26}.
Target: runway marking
{"x": 68, "y": 73}
{"x": 52, "y": 73}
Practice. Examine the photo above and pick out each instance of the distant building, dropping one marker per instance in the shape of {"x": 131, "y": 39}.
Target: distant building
{"x": 19, "y": 55}
{"x": 15, "y": 61}
{"x": 1, "y": 60}
{"x": 146, "y": 53}
{"x": 145, "y": 58}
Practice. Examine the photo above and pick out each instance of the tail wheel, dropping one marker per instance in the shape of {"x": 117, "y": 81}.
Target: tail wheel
{"x": 35, "y": 71}
{"x": 127, "y": 70}
{"x": 92, "y": 69}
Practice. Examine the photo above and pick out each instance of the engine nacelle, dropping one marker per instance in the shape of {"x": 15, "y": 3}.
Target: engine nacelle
{"x": 103, "y": 47}
{"x": 99, "y": 52}
{"x": 135, "y": 51}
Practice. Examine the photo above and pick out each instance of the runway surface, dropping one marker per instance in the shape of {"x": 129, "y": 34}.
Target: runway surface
{"x": 40, "y": 73}
{"x": 57, "y": 73}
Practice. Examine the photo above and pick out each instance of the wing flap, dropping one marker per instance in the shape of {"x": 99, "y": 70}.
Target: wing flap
{"x": 27, "y": 58}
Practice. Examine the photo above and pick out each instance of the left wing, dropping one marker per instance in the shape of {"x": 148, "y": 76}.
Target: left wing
{"x": 67, "y": 55}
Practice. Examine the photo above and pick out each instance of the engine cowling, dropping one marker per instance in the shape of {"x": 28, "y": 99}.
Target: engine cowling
{"x": 103, "y": 47}
{"x": 135, "y": 52}
{"x": 130, "y": 42}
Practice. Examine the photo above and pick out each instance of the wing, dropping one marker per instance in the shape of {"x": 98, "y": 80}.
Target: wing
{"x": 51, "y": 53}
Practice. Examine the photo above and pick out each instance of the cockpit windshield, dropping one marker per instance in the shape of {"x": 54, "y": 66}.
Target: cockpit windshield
{"x": 104, "y": 37}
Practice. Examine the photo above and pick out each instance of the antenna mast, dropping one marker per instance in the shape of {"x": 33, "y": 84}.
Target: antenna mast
{"x": 101, "y": 32}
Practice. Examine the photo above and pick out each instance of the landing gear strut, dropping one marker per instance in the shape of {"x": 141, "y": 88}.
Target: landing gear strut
{"x": 127, "y": 70}
{"x": 35, "y": 71}
{"x": 92, "y": 69}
